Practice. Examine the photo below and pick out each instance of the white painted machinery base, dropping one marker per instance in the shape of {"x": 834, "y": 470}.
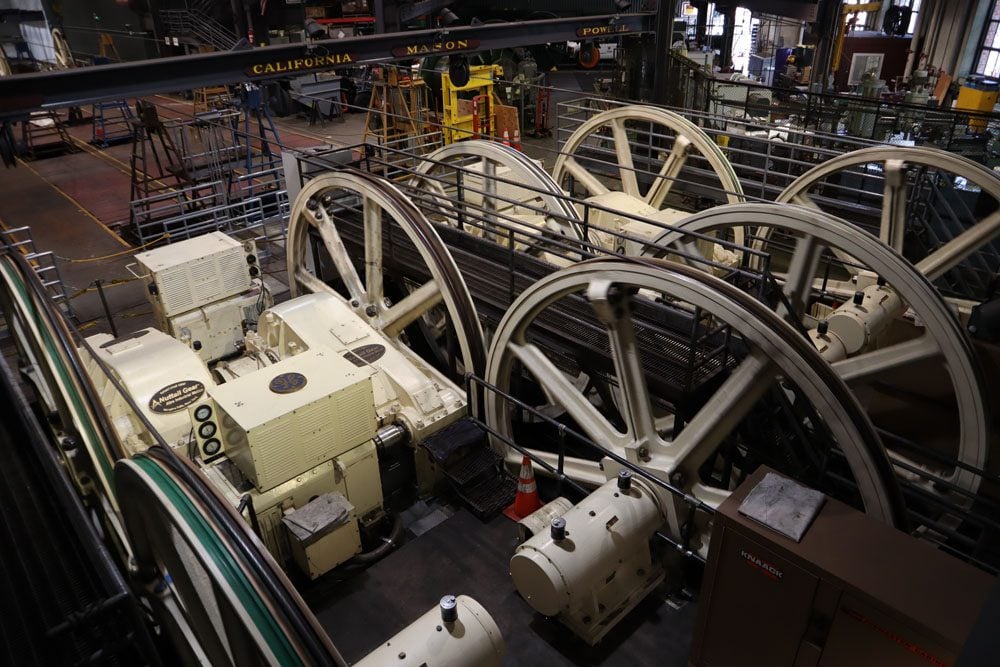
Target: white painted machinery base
{"x": 601, "y": 568}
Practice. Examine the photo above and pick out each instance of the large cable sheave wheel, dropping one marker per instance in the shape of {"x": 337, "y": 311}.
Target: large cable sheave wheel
{"x": 635, "y": 144}
{"x": 452, "y": 189}
{"x": 924, "y": 202}
{"x": 233, "y": 589}
{"x": 764, "y": 368}
{"x": 55, "y": 369}
{"x": 64, "y": 55}
{"x": 918, "y": 330}
{"x": 382, "y": 210}
{"x": 216, "y": 607}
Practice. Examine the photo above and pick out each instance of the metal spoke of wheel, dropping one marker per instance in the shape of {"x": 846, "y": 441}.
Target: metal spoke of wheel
{"x": 773, "y": 348}
{"x": 668, "y": 172}
{"x": 372, "y": 212}
{"x": 799, "y": 279}
{"x": 613, "y": 309}
{"x": 410, "y": 308}
{"x": 944, "y": 340}
{"x": 623, "y": 151}
{"x": 894, "y": 195}
{"x": 893, "y": 214}
{"x": 723, "y": 412}
{"x": 868, "y": 365}
{"x": 323, "y": 223}
{"x": 953, "y": 252}
{"x": 561, "y": 391}
{"x": 381, "y": 204}
{"x": 311, "y": 283}
{"x": 585, "y": 178}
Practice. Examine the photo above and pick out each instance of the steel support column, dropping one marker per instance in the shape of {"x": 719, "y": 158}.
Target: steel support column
{"x": 664, "y": 21}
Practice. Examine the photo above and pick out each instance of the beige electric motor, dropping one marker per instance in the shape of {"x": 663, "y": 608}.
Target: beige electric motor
{"x": 458, "y": 633}
{"x": 594, "y": 563}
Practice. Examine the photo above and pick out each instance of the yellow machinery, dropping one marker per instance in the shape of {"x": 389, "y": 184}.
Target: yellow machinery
{"x": 466, "y": 117}
{"x": 981, "y": 99}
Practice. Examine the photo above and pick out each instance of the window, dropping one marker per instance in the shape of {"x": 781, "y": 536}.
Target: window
{"x": 860, "y": 18}
{"x": 914, "y": 6}
{"x": 988, "y": 62}
{"x": 867, "y": 20}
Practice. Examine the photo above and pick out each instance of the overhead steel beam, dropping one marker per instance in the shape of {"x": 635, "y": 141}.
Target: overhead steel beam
{"x": 27, "y": 92}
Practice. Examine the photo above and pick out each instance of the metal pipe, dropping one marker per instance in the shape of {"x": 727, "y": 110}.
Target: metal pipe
{"x": 107, "y": 311}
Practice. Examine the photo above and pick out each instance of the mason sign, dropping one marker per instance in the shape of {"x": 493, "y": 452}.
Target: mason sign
{"x": 444, "y": 46}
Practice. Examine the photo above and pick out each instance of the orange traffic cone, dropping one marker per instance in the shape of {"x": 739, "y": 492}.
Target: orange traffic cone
{"x": 526, "y": 501}
{"x": 506, "y": 137}
{"x": 517, "y": 138}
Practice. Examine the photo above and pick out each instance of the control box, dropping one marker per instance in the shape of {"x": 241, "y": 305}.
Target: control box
{"x": 196, "y": 272}
{"x": 291, "y": 416}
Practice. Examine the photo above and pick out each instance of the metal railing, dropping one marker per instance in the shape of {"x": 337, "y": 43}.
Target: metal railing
{"x": 45, "y": 265}
{"x": 500, "y": 255}
{"x": 969, "y": 133}
{"x": 260, "y": 203}
{"x": 195, "y": 23}
{"x": 225, "y": 194}
{"x": 181, "y": 213}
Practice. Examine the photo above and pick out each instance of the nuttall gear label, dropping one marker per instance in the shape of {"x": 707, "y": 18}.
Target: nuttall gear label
{"x": 176, "y": 396}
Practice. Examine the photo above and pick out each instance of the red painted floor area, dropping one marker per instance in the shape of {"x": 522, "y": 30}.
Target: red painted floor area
{"x": 100, "y": 186}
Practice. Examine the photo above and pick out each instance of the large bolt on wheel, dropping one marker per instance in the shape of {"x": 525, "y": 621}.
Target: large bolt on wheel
{"x": 333, "y": 201}
{"x": 902, "y": 338}
{"x": 765, "y": 369}
{"x": 934, "y": 207}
